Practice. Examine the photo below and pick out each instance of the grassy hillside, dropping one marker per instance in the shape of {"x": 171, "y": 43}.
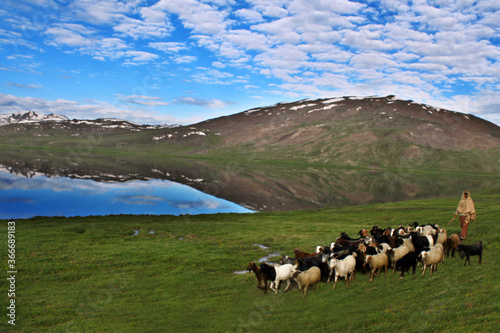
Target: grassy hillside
{"x": 93, "y": 274}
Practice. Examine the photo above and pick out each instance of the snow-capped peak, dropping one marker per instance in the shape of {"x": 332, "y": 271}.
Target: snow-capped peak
{"x": 28, "y": 117}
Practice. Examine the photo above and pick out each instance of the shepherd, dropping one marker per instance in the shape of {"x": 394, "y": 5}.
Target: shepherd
{"x": 467, "y": 213}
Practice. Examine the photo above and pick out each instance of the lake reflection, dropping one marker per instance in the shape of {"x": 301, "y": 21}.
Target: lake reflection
{"x": 39, "y": 195}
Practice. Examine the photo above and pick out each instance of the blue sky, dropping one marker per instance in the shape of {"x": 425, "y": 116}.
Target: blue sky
{"x": 184, "y": 61}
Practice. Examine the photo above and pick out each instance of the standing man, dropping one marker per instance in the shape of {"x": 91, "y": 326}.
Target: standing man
{"x": 467, "y": 213}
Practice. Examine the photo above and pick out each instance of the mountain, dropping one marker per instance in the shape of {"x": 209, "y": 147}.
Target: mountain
{"x": 369, "y": 132}
{"x": 29, "y": 117}
{"x": 373, "y": 132}
{"x": 34, "y": 121}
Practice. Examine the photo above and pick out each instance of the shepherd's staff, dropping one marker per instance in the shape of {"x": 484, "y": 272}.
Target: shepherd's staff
{"x": 451, "y": 220}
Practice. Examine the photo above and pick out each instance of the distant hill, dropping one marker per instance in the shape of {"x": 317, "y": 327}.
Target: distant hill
{"x": 370, "y": 132}
{"x": 29, "y": 117}
{"x": 30, "y": 120}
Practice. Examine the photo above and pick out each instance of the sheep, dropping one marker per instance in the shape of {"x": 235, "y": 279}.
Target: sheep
{"x": 431, "y": 258}
{"x": 427, "y": 230}
{"x": 343, "y": 268}
{"x": 451, "y": 244}
{"x": 377, "y": 262}
{"x": 396, "y": 254}
{"x": 311, "y": 277}
{"x": 261, "y": 277}
{"x": 475, "y": 249}
{"x": 383, "y": 247}
{"x": 409, "y": 244}
{"x": 441, "y": 238}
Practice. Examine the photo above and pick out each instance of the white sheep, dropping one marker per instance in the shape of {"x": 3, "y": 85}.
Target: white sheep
{"x": 397, "y": 253}
{"x": 377, "y": 262}
{"x": 344, "y": 268}
{"x": 409, "y": 244}
{"x": 283, "y": 273}
{"x": 431, "y": 258}
{"x": 311, "y": 277}
{"x": 383, "y": 247}
{"x": 441, "y": 238}
{"x": 426, "y": 230}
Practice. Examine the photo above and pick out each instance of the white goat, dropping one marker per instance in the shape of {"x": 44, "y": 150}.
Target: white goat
{"x": 283, "y": 273}
{"x": 344, "y": 268}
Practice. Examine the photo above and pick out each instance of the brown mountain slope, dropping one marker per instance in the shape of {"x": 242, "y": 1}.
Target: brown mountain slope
{"x": 372, "y": 131}
{"x": 303, "y": 121}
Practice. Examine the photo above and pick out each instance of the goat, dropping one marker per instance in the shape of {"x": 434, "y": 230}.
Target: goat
{"x": 286, "y": 260}
{"x": 451, "y": 244}
{"x": 475, "y": 249}
{"x": 408, "y": 261}
{"x": 363, "y": 233}
{"x": 311, "y": 277}
{"x": 377, "y": 262}
{"x": 303, "y": 264}
{"x": 282, "y": 273}
{"x": 301, "y": 254}
{"x": 262, "y": 278}
{"x": 420, "y": 242}
{"x": 343, "y": 268}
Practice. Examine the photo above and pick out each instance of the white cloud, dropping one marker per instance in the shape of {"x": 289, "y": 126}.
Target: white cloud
{"x": 248, "y": 15}
{"x": 168, "y": 47}
{"x": 303, "y": 46}
{"x": 186, "y": 59}
{"x": 136, "y": 28}
{"x": 212, "y": 103}
{"x": 142, "y": 100}
{"x": 197, "y": 16}
{"x": 25, "y": 86}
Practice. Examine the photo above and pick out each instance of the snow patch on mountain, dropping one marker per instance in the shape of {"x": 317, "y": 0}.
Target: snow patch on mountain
{"x": 29, "y": 117}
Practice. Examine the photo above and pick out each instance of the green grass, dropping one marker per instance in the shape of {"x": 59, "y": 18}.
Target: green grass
{"x": 92, "y": 274}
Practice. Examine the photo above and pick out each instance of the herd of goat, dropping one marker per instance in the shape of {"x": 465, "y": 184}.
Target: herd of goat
{"x": 378, "y": 249}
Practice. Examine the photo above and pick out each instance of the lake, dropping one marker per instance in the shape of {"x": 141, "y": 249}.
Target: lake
{"x": 40, "y": 195}
{"x": 39, "y": 187}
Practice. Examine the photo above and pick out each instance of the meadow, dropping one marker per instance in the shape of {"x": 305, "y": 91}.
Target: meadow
{"x": 97, "y": 274}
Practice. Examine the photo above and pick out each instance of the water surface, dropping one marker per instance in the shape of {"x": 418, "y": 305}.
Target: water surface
{"x": 40, "y": 195}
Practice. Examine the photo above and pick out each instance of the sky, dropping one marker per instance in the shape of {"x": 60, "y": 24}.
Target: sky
{"x": 185, "y": 61}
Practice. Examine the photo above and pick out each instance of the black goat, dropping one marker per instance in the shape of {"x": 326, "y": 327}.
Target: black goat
{"x": 475, "y": 249}
{"x": 407, "y": 261}
{"x": 269, "y": 270}
{"x": 419, "y": 242}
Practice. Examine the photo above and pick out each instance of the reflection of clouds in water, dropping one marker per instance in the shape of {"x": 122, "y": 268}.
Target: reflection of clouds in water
{"x": 59, "y": 184}
{"x": 20, "y": 200}
{"x": 22, "y": 197}
{"x": 138, "y": 199}
{"x": 199, "y": 204}
{"x": 179, "y": 204}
